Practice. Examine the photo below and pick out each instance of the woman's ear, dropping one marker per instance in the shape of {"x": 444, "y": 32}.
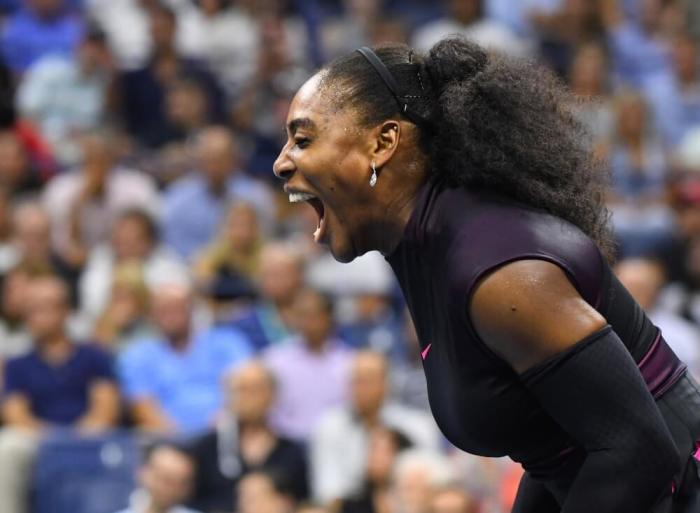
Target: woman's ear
{"x": 386, "y": 140}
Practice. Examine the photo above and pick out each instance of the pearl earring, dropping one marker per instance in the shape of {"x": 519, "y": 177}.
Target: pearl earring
{"x": 373, "y": 178}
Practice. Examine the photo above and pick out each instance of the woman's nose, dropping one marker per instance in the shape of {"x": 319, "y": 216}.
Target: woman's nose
{"x": 283, "y": 166}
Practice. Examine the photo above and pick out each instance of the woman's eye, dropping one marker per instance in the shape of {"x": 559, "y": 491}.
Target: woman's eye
{"x": 302, "y": 142}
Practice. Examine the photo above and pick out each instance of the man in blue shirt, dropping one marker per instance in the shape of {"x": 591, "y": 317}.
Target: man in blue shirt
{"x": 173, "y": 383}
{"x": 59, "y": 383}
{"x": 194, "y": 206}
{"x": 39, "y": 28}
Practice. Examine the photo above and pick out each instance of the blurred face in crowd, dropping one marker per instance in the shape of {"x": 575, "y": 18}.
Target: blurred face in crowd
{"x": 644, "y": 279}
{"x": 13, "y": 160}
{"x": 280, "y": 274}
{"x": 252, "y": 392}
{"x": 46, "y": 8}
{"x": 587, "y": 74}
{"x": 93, "y": 55}
{"x": 312, "y": 318}
{"x": 163, "y": 27}
{"x": 631, "y": 117}
{"x": 46, "y": 308}
{"x": 186, "y": 105}
{"x": 413, "y": 490}
{"x": 171, "y": 307}
{"x": 465, "y": 11}
{"x": 132, "y": 238}
{"x": 368, "y": 383}
{"x": 216, "y": 154}
{"x": 241, "y": 226}
{"x": 167, "y": 477}
{"x": 32, "y": 228}
{"x": 14, "y": 296}
{"x": 257, "y": 494}
{"x": 98, "y": 157}
{"x": 453, "y": 501}
{"x": 686, "y": 60}
{"x": 381, "y": 455}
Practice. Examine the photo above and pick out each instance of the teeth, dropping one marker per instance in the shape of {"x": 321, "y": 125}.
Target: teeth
{"x": 296, "y": 197}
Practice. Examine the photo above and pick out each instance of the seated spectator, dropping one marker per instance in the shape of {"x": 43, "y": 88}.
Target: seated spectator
{"x": 453, "y": 500}
{"x": 15, "y": 339}
{"x": 67, "y": 95}
{"x": 194, "y": 206}
{"x": 172, "y": 382}
{"x": 382, "y": 450}
{"x": 245, "y": 443}
{"x": 17, "y": 173}
{"x": 8, "y": 252}
{"x": 645, "y": 280}
{"x": 279, "y": 277}
{"x": 143, "y": 90}
{"x": 234, "y": 255}
{"x": 34, "y": 250}
{"x": 134, "y": 240}
{"x": 263, "y": 492}
{"x": 418, "y": 474}
{"x": 311, "y": 369}
{"x": 40, "y": 27}
{"x": 339, "y": 442}
{"x": 165, "y": 481}
{"x": 187, "y": 111}
{"x": 125, "y": 319}
{"x": 59, "y": 383}
{"x": 466, "y": 17}
{"x": 83, "y": 204}
{"x": 641, "y": 217}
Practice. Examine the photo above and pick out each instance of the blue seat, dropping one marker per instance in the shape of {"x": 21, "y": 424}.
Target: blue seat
{"x": 84, "y": 475}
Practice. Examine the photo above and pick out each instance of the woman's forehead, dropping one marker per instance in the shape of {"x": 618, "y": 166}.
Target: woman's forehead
{"x": 315, "y": 101}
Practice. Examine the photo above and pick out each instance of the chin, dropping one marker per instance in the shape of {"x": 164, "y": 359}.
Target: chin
{"x": 343, "y": 253}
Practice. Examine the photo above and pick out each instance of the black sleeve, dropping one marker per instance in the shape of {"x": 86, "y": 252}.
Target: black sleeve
{"x": 595, "y": 392}
{"x": 533, "y": 497}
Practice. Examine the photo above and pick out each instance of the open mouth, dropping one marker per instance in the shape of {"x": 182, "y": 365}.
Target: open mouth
{"x": 317, "y": 204}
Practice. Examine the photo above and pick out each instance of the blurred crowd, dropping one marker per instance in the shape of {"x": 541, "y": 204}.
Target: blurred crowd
{"x": 155, "y": 280}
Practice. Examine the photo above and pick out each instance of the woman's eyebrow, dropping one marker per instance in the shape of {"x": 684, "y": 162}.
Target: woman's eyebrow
{"x": 298, "y": 123}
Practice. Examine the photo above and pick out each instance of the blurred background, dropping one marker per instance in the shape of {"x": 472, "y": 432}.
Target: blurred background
{"x": 172, "y": 340}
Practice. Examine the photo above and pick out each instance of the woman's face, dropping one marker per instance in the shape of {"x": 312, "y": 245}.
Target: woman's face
{"x": 326, "y": 161}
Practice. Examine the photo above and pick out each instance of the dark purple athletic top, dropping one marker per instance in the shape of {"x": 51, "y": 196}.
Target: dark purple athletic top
{"x": 453, "y": 238}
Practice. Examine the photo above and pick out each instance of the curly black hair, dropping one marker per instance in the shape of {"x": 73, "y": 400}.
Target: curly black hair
{"x": 493, "y": 123}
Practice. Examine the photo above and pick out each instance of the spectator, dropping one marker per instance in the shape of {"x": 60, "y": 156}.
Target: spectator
{"x": 134, "y": 240}
{"x": 143, "y": 90}
{"x": 339, "y": 442}
{"x": 262, "y": 492}
{"x": 645, "y": 279}
{"x": 59, "y": 383}
{"x": 83, "y": 204}
{"x": 383, "y": 448}
{"x": 15, "y": 339}
{"x": 418, "y": 474}
{"x": 67, "y": 95}
{"x": 39, "y": 28}
{"x": 300, "y": 365}
{"x": 352, "y": 27}
{"x": 194, "y": 206}
{"x": 34, "y": 251}
{"x": 466, "y": 18}
{"x": 452, "y": 500}
{"x": 279, "y": 277}
{"x": 187, "y": 110}
{"x": 8, "y": 252}
{"x": 165, "y": 481}
{"x": 125, "y": 319}
{"x": 641, "y": 217}
{"x": 172, "y": 383}
{"x": 246, "y": 443}
{"x": 17, "y": 173}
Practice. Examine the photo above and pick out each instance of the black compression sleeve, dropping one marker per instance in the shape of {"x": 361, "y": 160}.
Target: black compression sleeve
{"x": 596, "y": 393}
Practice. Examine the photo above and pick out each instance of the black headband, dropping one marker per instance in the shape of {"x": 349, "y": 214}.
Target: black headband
{"x": 393, "y": 86}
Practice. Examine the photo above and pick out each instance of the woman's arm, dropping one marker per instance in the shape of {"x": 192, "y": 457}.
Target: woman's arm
{"x": 530, "y": 314}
